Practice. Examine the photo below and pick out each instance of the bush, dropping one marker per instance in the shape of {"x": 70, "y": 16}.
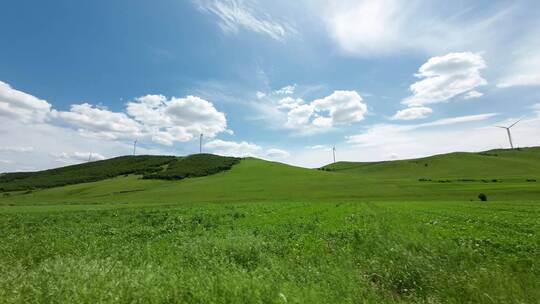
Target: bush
{"x": 482, "y": 197}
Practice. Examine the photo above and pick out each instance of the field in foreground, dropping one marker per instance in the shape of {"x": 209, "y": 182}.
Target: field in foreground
{"x": 379, "y": 252}
{"x": 253, "y": 231}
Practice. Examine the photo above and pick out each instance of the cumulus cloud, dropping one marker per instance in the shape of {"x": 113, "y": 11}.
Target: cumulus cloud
{"x": 99, "y": 122}
{"x": 446, "y": 76}
{"x": 231, "y": 148}
{"x": 412, "y": 113}
{"x": 339, "y": 108}
{"x": 234, "y": 15}
{"x": 289, "y": 103}
{"x": 277, "y": 153}
{"x": 24, "y": 107}
{"x": 343, "y": 107}
{"x": 161, "y": 119}
{"x": 177, "y": 119}
{"x": 299, "y": 116}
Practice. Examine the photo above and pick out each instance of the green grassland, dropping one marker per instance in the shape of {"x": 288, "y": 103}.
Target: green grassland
{"x": 254, "y": 231}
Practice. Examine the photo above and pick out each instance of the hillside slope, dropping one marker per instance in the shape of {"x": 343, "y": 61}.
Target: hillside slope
{"x": 518, "y": 163}
{"x": 258, "y": 180}
{"x": 149, "y": 166}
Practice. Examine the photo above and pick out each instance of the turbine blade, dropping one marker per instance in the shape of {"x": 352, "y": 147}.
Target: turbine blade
{"x": 515, "y": 123}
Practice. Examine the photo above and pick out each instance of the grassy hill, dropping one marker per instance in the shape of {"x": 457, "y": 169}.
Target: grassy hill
{"x": 518, "y": 163}
{"x": 149, "y": 166}
{"x": 502, "y": 175}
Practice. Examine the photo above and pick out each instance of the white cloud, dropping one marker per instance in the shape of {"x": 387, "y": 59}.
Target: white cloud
{"x": 289, "y": 103}
{"x": 473, "y": 94}
{"x": 445, "y": 77}
{"x": 318, "y": 147}
{"x": 260, "y": 94}
{"x": 386, "y": 141}
{"x": 231, "y": 148}
{"x": 163, "y": 120}
{"x": 17, "y": 149}
{"x": 339, "y": 108}
{"x": 177, "y": 119}
{"x": 343, "y": 107}
{"x": 24, "y": 107}
{"x": 387, "y": 133}
{"x": 286, "y": 90}
{"x": 100, "y": 123}
{"x": 48, "y": 139}
{"x": 375, "y": 28}
{"x": 76, "y": 157}
{"x": 277, "y": 153}
{"x": 299, "y": 116}
{"x": 236, "y": 14}
{"x": 412, "y": 113}
{"x": 520, "y": 80}
{"x": 536, "y": 108}
{"x": 524, "y": 69}
{"x": 5, "y": 161}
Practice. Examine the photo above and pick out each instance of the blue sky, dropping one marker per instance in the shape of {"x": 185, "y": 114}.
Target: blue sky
{"x": 379, "y": 80}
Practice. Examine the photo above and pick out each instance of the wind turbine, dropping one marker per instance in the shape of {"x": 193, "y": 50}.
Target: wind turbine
{"x": 334, "y": 153}
{"x": 90, "y": 157}
{"x": 200, "y": 144}
{"x": 508, "y": 132}
{"x": 134, "y": 146}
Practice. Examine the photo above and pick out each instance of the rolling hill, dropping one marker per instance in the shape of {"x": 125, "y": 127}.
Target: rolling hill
{"x": 500, "y": 163}
{"x": 501, "y": 174}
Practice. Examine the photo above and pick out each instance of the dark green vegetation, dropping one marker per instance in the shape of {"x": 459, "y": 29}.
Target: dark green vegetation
{"x": 415, "y": 252}
{"x": 87, "y": 172}
{"x": 155, "y": 167}
{"x": 411, "y": 231}
{"x": 196, "y": 165}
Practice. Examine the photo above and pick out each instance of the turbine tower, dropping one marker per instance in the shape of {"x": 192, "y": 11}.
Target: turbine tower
{"x": 508, "y": 132}
{"x": 90, "y": 157}
{"x": 134, "y": 146}
{"x": 334, "y": 153}
{"x": 200, "y": 143}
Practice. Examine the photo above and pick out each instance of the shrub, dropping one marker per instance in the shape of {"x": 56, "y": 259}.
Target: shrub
{"x": 482, "y": 197}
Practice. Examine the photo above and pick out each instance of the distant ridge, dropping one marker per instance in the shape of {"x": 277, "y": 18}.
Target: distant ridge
{"x": 498, "y": 162}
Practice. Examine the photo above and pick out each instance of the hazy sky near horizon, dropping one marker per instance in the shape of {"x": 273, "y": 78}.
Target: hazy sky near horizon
{"x": 280, "y": 80}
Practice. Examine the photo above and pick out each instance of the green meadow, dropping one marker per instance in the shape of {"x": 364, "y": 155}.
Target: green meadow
{"x": 253, "y": 231}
